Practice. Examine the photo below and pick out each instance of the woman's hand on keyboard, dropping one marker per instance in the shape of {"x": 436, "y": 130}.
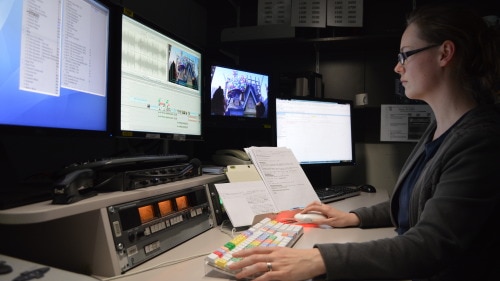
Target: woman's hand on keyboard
{"x": 279, "y": 263}
{"x": 335, "y": 217}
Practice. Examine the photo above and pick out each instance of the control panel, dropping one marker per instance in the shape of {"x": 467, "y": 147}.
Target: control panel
{"x": 145, "y": 228}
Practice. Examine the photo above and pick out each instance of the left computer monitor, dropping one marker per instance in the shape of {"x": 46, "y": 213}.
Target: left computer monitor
{"x": 54, "y": 70}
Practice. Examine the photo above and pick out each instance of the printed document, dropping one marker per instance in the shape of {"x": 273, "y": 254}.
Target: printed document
{"x": 284, "y": 186}
{"x": 404, "y": 122}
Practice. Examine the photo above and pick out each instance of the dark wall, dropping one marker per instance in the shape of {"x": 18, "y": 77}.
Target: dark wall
{"x": 348, "y": 67}
{"x": 187, "y": 19}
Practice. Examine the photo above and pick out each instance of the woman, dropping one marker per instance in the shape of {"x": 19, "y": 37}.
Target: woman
{"x": 446, "y": 201}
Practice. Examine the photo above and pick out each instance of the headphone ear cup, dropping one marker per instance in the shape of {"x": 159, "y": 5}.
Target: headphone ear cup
{"x": 196, "y": 162}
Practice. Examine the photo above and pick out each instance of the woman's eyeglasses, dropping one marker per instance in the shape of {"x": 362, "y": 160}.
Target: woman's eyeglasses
{"x": 405, "y": 55}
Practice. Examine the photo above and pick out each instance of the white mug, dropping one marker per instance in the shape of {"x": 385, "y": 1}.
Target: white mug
{"x": 361, "y": 99}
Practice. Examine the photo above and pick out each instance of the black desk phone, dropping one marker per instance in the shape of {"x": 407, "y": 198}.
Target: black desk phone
{"x": 74, "y": 186}
{"x": 226, "y": 157}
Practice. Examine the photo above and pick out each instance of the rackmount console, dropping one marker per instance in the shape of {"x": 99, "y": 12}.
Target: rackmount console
{"x": 145, "y": 228}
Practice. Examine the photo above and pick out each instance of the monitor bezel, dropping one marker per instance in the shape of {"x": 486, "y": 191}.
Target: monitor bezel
{"x": 330, "y": 100}
{"x": 116, "y": 129}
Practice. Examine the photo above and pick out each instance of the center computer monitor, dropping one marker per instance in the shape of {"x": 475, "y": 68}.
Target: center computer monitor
{"x": 160, "y": 93}
{"x": 319, "y": 133}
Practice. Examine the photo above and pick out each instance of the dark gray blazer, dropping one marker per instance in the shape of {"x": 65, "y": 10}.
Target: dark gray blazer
{"x": 454, "y": 211}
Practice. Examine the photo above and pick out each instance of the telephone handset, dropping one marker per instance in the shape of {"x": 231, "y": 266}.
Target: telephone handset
{"x": 226, "y": 157}
{"x": 74, "y": 186}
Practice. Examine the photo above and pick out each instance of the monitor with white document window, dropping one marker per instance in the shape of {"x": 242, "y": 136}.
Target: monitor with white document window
{"x": 55, "y": 67}
{"x": 319, "y": 133}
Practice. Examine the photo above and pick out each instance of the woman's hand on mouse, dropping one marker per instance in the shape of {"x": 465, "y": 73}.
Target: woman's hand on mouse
{"x": 335, "y": 217}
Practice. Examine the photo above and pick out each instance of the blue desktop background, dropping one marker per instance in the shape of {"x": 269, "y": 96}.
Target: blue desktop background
{"x": 70, "y": 110}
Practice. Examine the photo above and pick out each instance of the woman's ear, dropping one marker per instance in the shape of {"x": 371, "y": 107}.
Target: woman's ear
{"x": 447, "y": 52}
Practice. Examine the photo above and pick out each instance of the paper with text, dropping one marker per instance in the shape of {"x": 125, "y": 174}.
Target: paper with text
{"x": 308, "y": 13}
{"x": 404, "y": 122}
{"x": 244, "y": 200}
{"x": 284, "y": 178}
{"x": 346, "y": 13}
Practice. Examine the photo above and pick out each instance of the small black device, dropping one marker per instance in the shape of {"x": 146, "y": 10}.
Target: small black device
{"x": 367, "y": 188}
{"x": 32, "y": 274}
{"x": 5, "y": 268}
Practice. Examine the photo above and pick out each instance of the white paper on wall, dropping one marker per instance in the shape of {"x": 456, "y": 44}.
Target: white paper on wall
{"x": 274, "y": 12}
{"x": 347, "y": 13}
{"x": 404, "y": 122}
{"x": 310, "y": 13}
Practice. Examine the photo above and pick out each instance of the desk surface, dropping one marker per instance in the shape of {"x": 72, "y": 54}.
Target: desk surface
{"x": 51, "y": 273}
{"x": 164, "y": 267}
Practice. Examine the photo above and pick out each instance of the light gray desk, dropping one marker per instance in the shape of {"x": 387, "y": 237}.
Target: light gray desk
{"x": 194, "y": 269}
{"x": 53, "y": 274}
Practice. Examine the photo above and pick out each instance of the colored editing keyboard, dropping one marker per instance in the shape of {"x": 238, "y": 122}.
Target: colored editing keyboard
{"x": 266, "y": 233}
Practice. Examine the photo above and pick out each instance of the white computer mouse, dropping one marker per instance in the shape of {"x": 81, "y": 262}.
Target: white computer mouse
{"x": 308, "y": 217}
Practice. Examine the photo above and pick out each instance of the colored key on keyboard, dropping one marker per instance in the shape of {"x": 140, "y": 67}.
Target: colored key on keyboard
{"x": 266, "y": 233}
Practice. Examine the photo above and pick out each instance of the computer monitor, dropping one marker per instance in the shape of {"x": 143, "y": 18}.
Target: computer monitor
{"x": 238, "y": 97}
{"x": 160, "y": 96}
{"x": 54, "y": 70}
{"x": 319, "y": 133}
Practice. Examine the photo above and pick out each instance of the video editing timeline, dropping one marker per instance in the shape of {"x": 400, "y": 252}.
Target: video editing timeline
{"x": 160, "y": 82}
{"x": 145, "y": 228}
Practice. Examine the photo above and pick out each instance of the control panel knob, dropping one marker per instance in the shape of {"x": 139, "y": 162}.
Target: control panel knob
{"x": 131, "y": 237}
